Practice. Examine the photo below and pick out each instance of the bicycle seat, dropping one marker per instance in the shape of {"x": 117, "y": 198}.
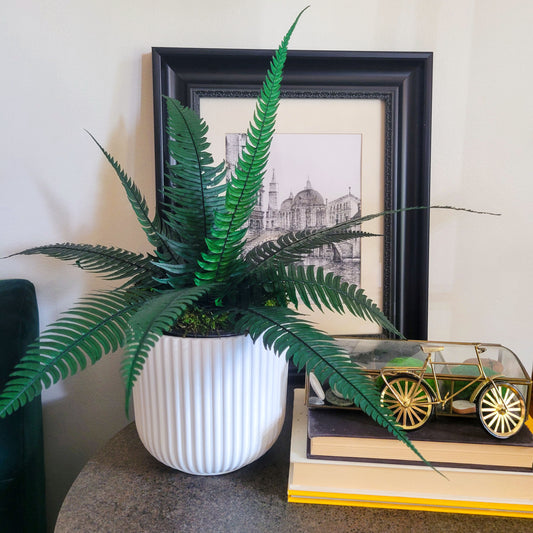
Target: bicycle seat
{"x": 432, "y": 348}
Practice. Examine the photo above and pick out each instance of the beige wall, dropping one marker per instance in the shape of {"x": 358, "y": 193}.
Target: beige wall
{"x": 69, "y": 65}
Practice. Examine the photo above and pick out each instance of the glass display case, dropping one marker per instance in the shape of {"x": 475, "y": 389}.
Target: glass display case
{"x": 419, "y": 379}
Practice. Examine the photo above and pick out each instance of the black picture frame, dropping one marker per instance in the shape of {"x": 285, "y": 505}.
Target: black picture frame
{"x": 402, "y": 80}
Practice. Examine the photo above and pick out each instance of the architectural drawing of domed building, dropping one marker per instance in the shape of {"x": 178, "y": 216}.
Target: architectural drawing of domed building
{"x": 307, "y": 209}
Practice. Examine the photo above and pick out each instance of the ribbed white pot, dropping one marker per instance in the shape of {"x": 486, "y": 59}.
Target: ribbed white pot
{"x": 210, "y": 405}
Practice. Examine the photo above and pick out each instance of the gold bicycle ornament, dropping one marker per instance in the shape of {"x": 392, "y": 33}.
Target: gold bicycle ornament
{"x": 419, "y": 379}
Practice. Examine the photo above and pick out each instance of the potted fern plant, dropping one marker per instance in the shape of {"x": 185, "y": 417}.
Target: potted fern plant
{"x": 197, "y": 410}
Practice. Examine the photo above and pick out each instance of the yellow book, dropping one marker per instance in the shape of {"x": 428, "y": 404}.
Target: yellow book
{"x": 390, "y": 485}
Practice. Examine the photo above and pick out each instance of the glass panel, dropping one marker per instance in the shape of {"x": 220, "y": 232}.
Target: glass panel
{"x": 451, "y": 358}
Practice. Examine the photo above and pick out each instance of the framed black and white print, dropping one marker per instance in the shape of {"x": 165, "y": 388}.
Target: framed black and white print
{"x": 352, "y": 135}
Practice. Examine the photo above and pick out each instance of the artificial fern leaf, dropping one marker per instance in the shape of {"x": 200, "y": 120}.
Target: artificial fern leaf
{"x": 226, "y": 241}
{"x": 155, "y": 317}
{"x": 195, "y": 191}
{"x": 286, "y": 333}
{"x": 152, "y": 228}
{"x": 95, "y": 327}
{"x": 314, "y": 288}
{"x": 292, "y": 247}
{"x": 358, "y": 220}
{"x": 177, "y": 273}
{"x": 112, "y": 263}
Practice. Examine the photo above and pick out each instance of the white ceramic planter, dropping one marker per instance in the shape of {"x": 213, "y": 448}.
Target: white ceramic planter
{"x": 211, "y": 405}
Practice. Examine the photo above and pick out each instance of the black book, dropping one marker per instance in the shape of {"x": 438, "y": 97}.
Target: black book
{"x": 352, "y": 436}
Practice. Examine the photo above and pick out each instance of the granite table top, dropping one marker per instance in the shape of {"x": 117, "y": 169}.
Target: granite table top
{"x": 123, "y": 489}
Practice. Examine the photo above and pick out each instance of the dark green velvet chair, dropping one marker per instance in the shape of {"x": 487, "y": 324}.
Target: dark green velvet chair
{"x": 22, "y": 503}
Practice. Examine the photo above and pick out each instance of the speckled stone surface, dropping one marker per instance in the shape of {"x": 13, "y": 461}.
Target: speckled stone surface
{"x": 124, "y": 490}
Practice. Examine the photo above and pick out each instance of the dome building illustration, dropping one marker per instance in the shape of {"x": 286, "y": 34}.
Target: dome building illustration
{"x": 307, "y": 209}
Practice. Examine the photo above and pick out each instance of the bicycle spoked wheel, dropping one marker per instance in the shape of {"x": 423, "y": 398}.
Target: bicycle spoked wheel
{"x": 501, "y": 410}
{"x": 410, "y": 401}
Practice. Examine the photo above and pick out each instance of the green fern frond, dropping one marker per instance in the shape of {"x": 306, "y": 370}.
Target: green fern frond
{"x": 151, "y": 228}
{"x": 286, "y": 333}
{"x": 195, "y": 190}
{"x": 155, "y": 317}
{"x": 95, "y": 327}
{"x": 294, "y": 246}
{"x": 178, "y": 274}
{"x": 112, "y": 263}
{"x": 316, "y": 289}
{"x": 227, "y": 237}
{"x": 357, "y": 220}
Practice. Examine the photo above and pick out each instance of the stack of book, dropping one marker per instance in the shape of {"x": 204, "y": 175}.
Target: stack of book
{"x": 344, "y": 458}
